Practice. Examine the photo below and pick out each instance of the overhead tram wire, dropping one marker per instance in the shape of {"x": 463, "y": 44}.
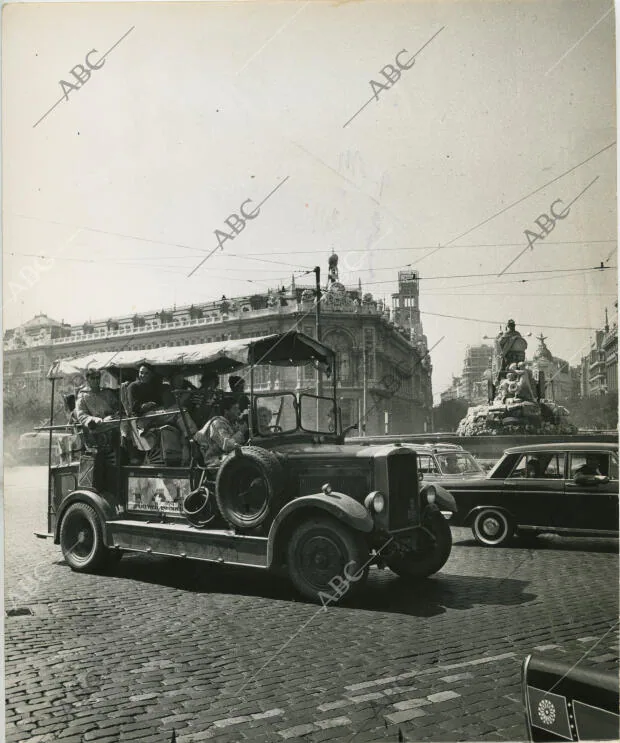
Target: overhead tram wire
{"x": 518, "y": 201}
{"x": 319, "y": 252}
{"x": 565, "y": 271}
{"x": 306, "y": 252}
{"x": 499, "y": 322}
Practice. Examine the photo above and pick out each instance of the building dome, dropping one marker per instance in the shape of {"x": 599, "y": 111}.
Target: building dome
{"x": 542, "y": 352}
{"x": 41, "y": 321}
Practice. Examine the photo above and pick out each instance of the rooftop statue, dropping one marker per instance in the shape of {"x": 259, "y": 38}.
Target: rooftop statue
{"x": 332, "y": 274}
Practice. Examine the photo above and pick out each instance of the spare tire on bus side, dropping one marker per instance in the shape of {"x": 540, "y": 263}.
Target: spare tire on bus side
{"x": 248, "y": 487}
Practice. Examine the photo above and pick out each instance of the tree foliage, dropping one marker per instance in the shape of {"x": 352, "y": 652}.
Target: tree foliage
{"x": 448, "y": 414}
{"x": 598, "y": 413}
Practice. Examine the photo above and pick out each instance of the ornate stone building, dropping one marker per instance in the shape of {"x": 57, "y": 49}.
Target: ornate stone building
{"x": 599, "y": 369}
{"x": 559, "y": 378}
{"x": 370, "y": 346}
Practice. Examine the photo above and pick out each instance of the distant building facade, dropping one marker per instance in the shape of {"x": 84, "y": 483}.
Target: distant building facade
{"x": 370, "y": 345}
{"x": 452, "y": 393}
{"x": 559, "y": 377}
{"x": 472, "y": 384}
{"x": 599, "y": 369}
{"x": 562, "y": 381}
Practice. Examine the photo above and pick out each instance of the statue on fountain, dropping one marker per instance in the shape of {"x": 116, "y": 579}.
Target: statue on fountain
{"x": 510, "y": 348}
{"x": 515, "y": 395}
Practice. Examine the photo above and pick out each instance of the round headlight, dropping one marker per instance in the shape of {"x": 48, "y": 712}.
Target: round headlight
{"x": 378, "y": 502}
{"x": 375, "y": 501}
{"x": 431, "y": 494}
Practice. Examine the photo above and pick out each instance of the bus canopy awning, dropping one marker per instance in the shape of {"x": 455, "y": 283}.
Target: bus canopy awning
{"x": 282, "y": 349}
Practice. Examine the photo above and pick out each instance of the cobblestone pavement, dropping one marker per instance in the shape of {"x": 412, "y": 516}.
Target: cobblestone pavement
{"x": 230, "y": 655}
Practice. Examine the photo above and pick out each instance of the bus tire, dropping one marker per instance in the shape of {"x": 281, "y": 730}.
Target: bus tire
{"x": 248, "y": 487}
{"x": 327, "y": 560}
{"x": 81, "y": 539}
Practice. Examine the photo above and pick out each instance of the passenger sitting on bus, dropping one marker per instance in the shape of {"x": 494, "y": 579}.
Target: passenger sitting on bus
{"x": 177, "y": 396}
{"x": 93, "y": 404}
{"x": 205, "y": 401}
{"x": 237, "y": 388}
{"x": 219, "y": 437}
{"x": 92, "y": 407}
{"x": 177, "y": 391}
{"x": 146, "y": 393}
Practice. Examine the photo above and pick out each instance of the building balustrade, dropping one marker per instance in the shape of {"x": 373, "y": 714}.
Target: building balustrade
{"x": 156, "y": 327}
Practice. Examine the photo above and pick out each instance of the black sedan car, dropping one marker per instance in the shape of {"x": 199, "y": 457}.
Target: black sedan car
{"x": 569, "y": 488}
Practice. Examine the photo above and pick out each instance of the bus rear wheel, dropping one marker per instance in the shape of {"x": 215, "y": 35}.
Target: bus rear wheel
{"x": 81, "y": 539}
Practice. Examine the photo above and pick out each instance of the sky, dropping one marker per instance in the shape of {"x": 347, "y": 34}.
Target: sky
{"x": 507, "y": 111}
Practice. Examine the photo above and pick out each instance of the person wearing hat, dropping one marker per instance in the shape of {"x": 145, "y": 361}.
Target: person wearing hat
{"x": 237, "y": 389}
{"x": 93, "y": 404}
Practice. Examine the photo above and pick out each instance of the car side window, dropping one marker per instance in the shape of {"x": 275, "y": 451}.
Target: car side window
{"x": 588, "y": 463}
{"x": 519, "y": 469}
{"x": 613, "y": 467}
{"x": 576, "y": 462}
{"x": 555, "y": 467}
{"x": 539, "y": 465}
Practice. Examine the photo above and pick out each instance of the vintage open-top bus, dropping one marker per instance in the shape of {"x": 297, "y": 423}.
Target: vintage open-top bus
{"x": 293, "y": 498}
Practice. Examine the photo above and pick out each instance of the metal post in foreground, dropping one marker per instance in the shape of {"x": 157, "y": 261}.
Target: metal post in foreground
{"x": 319, "y": 374}
{"x": 49, "y": 461}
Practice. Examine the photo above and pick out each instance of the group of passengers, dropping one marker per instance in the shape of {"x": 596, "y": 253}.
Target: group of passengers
{"x": 215, "y": 419}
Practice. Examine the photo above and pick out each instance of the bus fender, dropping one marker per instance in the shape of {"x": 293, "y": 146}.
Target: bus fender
{"x": 340, "y": 506}
{"x": 105, "y": 510}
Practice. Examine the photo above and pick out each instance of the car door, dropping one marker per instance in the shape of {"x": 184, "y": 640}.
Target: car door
{"x": 596, "y": 504}
{"x": 535, "y": 490}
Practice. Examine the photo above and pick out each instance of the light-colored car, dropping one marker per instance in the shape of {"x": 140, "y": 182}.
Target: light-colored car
{"x": 446, "y": 462}
{"x": 33, "y": 447}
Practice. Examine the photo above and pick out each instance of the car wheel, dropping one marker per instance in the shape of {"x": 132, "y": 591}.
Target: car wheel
{"x": 420, "y": 564}
{"x": 492, "y": 527}
{"x": 321, "y": 551}
{"x": 81, "y": 539}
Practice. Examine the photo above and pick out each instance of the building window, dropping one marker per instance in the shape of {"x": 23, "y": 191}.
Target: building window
{"x": 341, "y": 343}
{"x": 262, "y": 375}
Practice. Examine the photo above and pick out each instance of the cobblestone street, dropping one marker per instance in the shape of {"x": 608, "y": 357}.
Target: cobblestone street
{"x": 159, "y": 646}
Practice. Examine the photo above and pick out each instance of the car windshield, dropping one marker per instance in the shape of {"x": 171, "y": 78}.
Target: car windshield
{"x": 318, "y": 414}
{"x": 276, "y": 413}
{"x": 458, "y": 463}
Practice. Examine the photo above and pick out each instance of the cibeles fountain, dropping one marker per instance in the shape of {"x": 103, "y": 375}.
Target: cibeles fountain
{"x": 516, "y": 395}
